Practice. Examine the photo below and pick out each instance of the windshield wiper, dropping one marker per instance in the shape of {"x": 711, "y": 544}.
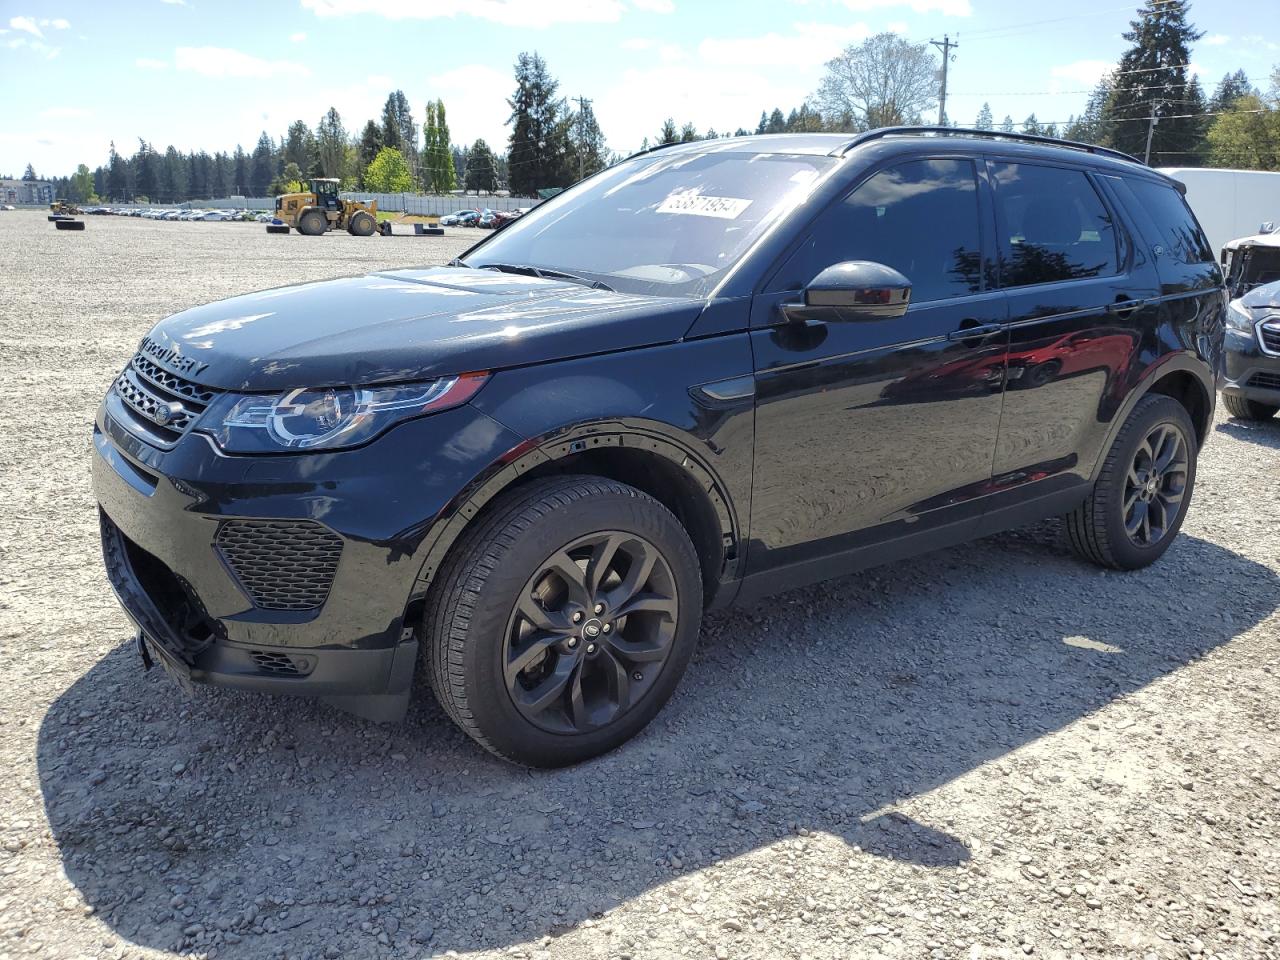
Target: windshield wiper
{"x": 546, "y": 273}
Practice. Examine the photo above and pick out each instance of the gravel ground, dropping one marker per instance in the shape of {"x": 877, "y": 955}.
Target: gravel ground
{"x": 992, "y": 751}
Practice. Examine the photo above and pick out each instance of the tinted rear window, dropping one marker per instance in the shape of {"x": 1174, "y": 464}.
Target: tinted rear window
{"x": 1179, "y": 233}
{"x": 1052, "y": 225}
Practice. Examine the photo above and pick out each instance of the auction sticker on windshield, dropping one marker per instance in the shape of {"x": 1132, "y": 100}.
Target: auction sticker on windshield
{"x": 698, "y": 205}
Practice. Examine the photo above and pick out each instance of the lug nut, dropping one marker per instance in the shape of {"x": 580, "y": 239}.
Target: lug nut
{"x": 607, "y": 627}
{"x": 577, "y": 616}
{"x": 591, "y": 648}
{"x": 599, "y": 608}
{"x": 573, "y": 642}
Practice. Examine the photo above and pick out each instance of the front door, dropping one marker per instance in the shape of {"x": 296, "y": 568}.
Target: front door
{"x": 870, "y": 430}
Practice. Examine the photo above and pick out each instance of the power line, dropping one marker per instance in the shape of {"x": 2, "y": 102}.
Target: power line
{"x": 1011, "y": 29}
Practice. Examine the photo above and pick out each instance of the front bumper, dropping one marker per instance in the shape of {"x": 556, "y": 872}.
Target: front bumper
{"x": 1248, "y": 371}
{"x": 161, "y": 513}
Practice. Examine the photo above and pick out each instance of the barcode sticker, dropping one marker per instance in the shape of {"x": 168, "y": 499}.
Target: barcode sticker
{"x": 698, "y": 205}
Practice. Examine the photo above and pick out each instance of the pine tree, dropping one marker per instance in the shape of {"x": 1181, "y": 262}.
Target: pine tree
{"x": 1153, "y": 79}
{"x": 668, "y": 133}
{"x": 370, "y": 145}
{"x": 299, "y": 145}
{"x": 985, "y": 121}
{"x": 240, "y": 172}
{"x": 777, "y": 122}
{"x": 1031, "y": 125}
{"x": 262, "y": 167}
{"x": 144, "y": 171}
{"x": 1231, "y": 88}
{"x": 590, "y": 153}
{"x": 539, "y": 134}
{"x": 763, "y": 125}
{"x": 1006, "y": 125}
{"x": 688, "y": 133}
{"x": 482, "y": 173}
{"x": 117, "y": 185}
{"x": 29, "y": 173}
{"x": 391, "y": 129}
{"x": 331, "y": 145}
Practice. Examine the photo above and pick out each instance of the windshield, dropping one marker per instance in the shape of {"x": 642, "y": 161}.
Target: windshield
{"x": 663, "y": 224}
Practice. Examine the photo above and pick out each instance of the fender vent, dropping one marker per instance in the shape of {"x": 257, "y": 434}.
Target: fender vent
{"x": 281, "y": 564}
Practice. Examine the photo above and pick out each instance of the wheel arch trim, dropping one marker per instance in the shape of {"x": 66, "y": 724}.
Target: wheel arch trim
{"x": 646, "y": 437}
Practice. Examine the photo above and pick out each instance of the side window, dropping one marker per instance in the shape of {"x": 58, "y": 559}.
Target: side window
{"x": 1178, "y": 231}
{"x": 1051, "y": 225}
{"x": 920, "y": 217}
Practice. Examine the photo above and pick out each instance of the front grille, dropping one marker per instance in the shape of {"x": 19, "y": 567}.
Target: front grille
{"x": 145, "y": 387}
{"x": 281, "y": 564}
{"x": 1265, "y": 381}
{"x": 1270, "y": 332}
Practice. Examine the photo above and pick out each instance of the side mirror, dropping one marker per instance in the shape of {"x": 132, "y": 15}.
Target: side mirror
{"x": 854, "y": 290}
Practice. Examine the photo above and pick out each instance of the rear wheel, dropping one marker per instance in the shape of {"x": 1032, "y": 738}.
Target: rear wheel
{"x": 1244, "y": 409}
{"x": 362, "y": 225}
{"x": 563, "y": 622}
{"x": 1143, "y": 491}
{"x": 312, "y": 223}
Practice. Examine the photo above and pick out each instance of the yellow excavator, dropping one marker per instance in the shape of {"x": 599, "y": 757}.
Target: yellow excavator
{"x": 319, "y": 209}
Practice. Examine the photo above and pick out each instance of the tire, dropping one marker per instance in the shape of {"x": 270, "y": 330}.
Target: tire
{"x": 277, "y": 228}
{"x": 69, "y": 224}
{"x": 475, "y": 633}
{"x": 362, "y": 225}
{"x": 1243, "y": 409}
{"x": 312, "y": 223}
{"x": 1101, "y": 528}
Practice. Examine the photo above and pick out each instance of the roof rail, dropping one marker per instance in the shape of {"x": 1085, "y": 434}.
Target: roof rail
{"x": 882, "y": 132}
{"x": 656, "y": 146}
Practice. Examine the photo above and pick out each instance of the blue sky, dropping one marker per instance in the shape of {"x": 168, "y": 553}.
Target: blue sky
{"x": 207, "y": 74}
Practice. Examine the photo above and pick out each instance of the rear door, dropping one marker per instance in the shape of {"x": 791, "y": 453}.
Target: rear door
{"x": 1078, "y": 289}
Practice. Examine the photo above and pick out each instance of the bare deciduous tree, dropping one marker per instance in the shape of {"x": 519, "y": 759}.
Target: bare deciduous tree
{"x": 881, "y": 82}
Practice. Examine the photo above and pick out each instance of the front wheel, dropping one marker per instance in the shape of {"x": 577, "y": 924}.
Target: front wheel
{"x": 1143, "y": 491}
{"x": 563, "y": 622}
{"x": 1244, "y": 409}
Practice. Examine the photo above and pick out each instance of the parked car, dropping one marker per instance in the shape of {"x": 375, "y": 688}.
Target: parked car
{"x": 1252, "y": 261}
{"x": 1251, "y": 373}
{"x": 459, "y": 219}
{"x": 670, "y": 388}
{"x": 488, "y": 220}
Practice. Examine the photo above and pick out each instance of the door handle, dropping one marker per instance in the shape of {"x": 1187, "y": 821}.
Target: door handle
{"x": 1124, "y": 306}
{"x": 973, "y": 330}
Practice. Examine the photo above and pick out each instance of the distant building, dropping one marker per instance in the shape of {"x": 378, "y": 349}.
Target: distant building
{"x": 26, "y": 191}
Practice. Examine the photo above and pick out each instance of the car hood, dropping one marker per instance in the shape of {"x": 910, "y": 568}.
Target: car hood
{"x": 406, "y": 325}
{"x": 1263, "y": 297}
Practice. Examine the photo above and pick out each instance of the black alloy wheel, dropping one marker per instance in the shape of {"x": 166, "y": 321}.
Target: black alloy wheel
{"x": 1155, "y": 485}
{"x": 1142, "y": 490}
{"x": 590, "y": 632}
{"x": 563, "y": 619}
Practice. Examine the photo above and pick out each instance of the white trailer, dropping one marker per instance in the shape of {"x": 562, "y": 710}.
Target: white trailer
{"x": 1229, "y": 203}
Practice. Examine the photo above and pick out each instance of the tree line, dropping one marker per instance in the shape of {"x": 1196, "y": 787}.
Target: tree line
{"x": 1149, "y": 104}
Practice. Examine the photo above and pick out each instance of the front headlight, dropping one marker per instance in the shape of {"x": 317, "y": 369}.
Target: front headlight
{"x": 1238, "y": 318}
{"x": 327, "y": 418}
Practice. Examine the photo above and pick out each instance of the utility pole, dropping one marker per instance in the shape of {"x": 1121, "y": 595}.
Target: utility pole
{"x": 946, "y": 45}
{"x": 583, "y": 105}
{"x": 1151, "y": 132}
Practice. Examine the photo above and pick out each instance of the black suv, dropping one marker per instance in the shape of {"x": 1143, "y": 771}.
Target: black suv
{"x": 713, "y": 371}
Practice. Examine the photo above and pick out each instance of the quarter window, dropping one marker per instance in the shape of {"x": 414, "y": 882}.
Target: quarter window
{"x": 1185, "y": 240}
{"x": 920, "y": 217}
{"x": 1052, "y": 226}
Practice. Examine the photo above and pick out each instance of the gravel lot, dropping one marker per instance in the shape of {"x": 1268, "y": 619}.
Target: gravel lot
{"x": 993, "y": 751}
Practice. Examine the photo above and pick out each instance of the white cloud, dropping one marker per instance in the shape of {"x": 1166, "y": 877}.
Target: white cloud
{"x": 146, "y": 63}
{"x": 637, "y": 43}
{"x": 810, "y": 42}
{"x": 26, "y": 25}
{"x": 1083, "y": 73}
{"x": 58, "y": 24}
{"x": 175, "y": 3}
{"x": 224, "y": 62}
{"x": 512, "y": 13}
{"x": 948, "y": 8}
{"x": 298, "y": 37}
{"x": 64, "y": 113}
{"x": 897, "y": 26}
{"x": 35, "y": 46}
{"x": 1217, "y": 40}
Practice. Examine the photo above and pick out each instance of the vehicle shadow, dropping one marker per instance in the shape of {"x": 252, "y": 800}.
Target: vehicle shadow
{"x": 1265, "y": 433}
{"x": 257, "y": 825}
